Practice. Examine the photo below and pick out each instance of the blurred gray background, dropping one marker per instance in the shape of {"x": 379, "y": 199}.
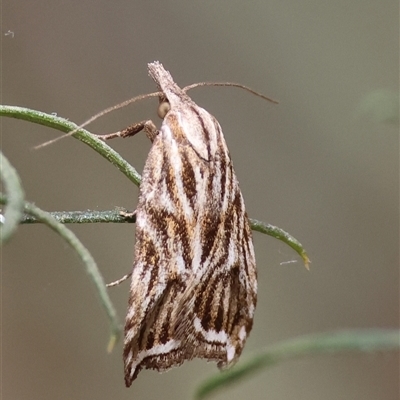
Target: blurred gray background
{"x": 323, "y": 165}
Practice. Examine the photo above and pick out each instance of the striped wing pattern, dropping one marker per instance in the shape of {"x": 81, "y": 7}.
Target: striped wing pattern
{"x": 194, "y": 285}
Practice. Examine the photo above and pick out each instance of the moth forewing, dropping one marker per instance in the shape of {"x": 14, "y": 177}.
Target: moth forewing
{"x": 194, "y": 286}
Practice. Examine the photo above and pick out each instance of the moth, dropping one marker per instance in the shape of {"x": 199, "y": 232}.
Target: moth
{"x": 193, "y": 287}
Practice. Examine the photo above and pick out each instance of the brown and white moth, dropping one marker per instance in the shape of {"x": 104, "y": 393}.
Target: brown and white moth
{"x": 194, "y": 282}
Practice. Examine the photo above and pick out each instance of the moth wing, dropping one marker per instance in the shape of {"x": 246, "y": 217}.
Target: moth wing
{"x": 154, "y": 287}
{"x": 165, "y": 229}
{"x": 193, "y": 251}
{"x": 216, "y": 310}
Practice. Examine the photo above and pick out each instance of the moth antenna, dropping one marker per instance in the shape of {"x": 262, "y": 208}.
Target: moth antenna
{"x": 238, "y": 85}
{"x": 118, "y": 106}
{"x": 98, "y": 115}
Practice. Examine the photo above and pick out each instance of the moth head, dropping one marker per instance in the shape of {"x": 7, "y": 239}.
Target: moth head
{"x": 163, "y": 108}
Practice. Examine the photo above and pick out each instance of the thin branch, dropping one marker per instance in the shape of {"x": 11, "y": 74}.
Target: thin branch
{"x": 85, "y": 256}
{"x": 15, "y": 207}
{"x": 282, "y": 235}
{"x": 83, "y": 135}
{"x": 83, "y": 217}
{"x": 117, "y": 216}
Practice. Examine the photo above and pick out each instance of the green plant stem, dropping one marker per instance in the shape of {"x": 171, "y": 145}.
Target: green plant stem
{"x": 15, "y": 207}
{"x": 84, "y": 255}
{"x": 90, "y": 216}
{"x": 282, "y": 235}
{"x": 83, "y": 217}
{"x": 83, "y": 135}
{"x": 364, "y": 340}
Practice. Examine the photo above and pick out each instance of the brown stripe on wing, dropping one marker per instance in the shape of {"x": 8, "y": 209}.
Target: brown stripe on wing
{"x": 170, "y": 228}
{"x": 215, "y": 237}
{"x": 238, "y": 315}
{"x": 209, "y": 306}
{"x": 188, "y": 179}
{"x": 248, "y": 257}
{"x": 195, "y": 110}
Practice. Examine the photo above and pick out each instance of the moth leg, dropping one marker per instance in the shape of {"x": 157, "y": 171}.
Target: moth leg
{"x": 129, "y": 131}
{"x": 128, "y": 216}
{"x": 147, "y": 126}
{"x": 150, "y": 130}
{"x": 117, "y": 282}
